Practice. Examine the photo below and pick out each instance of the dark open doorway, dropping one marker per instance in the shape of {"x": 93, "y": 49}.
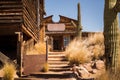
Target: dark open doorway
{"x": 8, "y": 46}
{"x": 57, "y": 42}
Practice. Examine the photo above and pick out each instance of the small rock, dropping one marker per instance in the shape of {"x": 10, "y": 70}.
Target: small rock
{"x": 94, "y": 71}
{"x": 83, "y": 71}
{"x": 99, "y": 64}
{"x": 88, "y": 66}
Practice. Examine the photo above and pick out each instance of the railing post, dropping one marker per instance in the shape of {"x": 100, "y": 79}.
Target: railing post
{"x": 46, "y": 40}
{"x": 19, "y": 52}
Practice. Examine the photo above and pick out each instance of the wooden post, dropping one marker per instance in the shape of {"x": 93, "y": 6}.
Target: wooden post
{"x": 19, "y": 52}
{"x": 38, "y": 18}
{"x": 46, "y": 50}
{"x": 46, "y": 40}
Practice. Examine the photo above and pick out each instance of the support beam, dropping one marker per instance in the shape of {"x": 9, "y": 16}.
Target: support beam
{"x": 19, "y": 52}
{"x": 38, "y": 18}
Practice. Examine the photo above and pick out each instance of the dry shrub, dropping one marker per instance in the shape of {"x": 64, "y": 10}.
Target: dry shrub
{"x": 97, "y": 44}
{"x": 81, "y": 51}
{"x": 9, "y": 70}
{"x": 39, "y": 48}
{"x": 97, "y": 38}
{"x": 109, "y": 76}
{"x": 45, "y": 67}
{"x": 77, "y": 53}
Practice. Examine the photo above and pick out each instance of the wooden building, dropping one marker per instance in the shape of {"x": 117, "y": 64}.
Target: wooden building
{"x": 19, "y": 26}
{"x": 63, "y": 32}
{"x": 22, "y": 24}
{"x": 60, "y": 33}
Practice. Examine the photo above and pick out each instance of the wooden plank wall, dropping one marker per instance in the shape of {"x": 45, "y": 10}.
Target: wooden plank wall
{"x": 23, "y": 12}
{"x": 33, "y": 63}
{"x": 10, "y": 11}
{"x": 30, "y": 18}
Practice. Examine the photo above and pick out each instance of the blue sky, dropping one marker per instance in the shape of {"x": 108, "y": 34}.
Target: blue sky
{"x": 91, "y": 12}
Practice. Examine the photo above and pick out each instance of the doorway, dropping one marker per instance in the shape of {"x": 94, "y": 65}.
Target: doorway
{"x": 57, "y": 43}
{"x": 8, "y": 46}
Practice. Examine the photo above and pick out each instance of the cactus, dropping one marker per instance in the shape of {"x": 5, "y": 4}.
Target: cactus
{"x": 111, "y": 35}
{"x": 79, "y": 28}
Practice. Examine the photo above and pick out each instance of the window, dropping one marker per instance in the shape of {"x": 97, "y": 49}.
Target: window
{"x": 66, "y": 40}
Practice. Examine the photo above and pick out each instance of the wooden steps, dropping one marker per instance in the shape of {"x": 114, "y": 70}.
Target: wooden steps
{"x": 58, "y": 62}
{"x": 61, "y": 74}
{"x": 58, "y": 68}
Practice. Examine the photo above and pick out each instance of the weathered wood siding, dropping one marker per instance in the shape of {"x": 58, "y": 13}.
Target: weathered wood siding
{"x": 23, "y": 12}
{"x": 10, "y": 11}
{"x": 33, "y": 63}
{"x": 30, "y": 18}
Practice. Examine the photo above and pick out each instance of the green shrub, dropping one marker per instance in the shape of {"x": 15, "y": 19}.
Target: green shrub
{"x": 9, "y": 71}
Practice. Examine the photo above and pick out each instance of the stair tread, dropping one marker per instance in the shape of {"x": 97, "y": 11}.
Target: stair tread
{"x": 56, "y": 59}
{"x": 52, "y": 72}
{"x": 59, "y": 65}
{"x": 57, "y": 62}
{"x": 56, "y": 54}
{"x": 65, "y": 67}
{"x": 51, "y": 63}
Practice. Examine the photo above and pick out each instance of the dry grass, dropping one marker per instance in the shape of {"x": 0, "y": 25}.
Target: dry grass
{"x": 79, "y": 56}
{"x": 96, "y": 45}
{"x": 96, "y": 39}
{"x": 39, "y": 48}
{"x": 109, "y": 76}
{"x": 45, "y": 67}
{"x": 9, "y": 71}
{"x": 81, "y": 51}
{"x": 77, "y": 52}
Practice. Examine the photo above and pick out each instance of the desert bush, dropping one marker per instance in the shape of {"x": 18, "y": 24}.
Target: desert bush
{"x": 77, "y": 53}
{"x": 79, "y": 57}
{"x": 109, "y": 76}
{"x": 9, "y": 70}
{"x": 45, "y": 67}
{"x": 81, "y": 51}
{"x": 97, "y": 44}
{"x": 39, "y": 48}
